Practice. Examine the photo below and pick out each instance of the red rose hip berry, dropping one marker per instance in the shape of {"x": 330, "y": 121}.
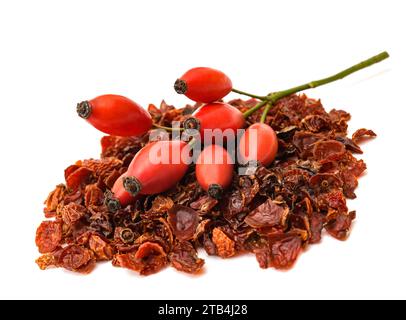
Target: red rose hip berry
{"x": 214, "y": 170}
{"x": 203, "y": 84}
{"x": 115, "y": 115}
{"x": 258, "y": 143}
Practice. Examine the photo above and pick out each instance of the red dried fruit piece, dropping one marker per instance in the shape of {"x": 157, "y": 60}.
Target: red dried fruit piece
{"x": 78, "y": 259}
{"x": 102, "y": 167}
{"x": 54, "y": 199}
{"x": 149, "y": 259}
{"x": 349, "y": 185}
{"x": 299, "y": 222}
{"x": 317, "y": 222}
{"x": 349, "y": 144}
{"x": 72, "y": 213}
{"x": 249, "y": 188}
{"x": 268, "y": 214}
{"x": 362, "y": 134}
{"x": 324, "y": 182}
{"x": 304, "y": 142}
{"x": 100, "y": 247}
{"x": 281, "y": 252}
{"x": 330, "y": 150}
{"x": 332, "y": 200}
{"x": 351, "y": 164}
{"x": 48, "y": 236}
{"x": 316, "y": 123}
{"x": 339, "y": 227}
{"x": 161, "y": 204}
{"x": 94, "y": 196}
{"x": 204, "y": 204}
{"x": 225, "y": 247}
{"x": 46, "y": 261}
{"x": 294, "y": 178}
{"x": 78, "y": 178}
{"x": 183, "y": 221}
{"x": 119, "y": 147}
{"x": 184, "y": 258}
{"x": 232, "y": 205}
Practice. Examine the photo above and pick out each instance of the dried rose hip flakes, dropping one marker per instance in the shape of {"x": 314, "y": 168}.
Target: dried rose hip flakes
{"x": 273, "y": 213}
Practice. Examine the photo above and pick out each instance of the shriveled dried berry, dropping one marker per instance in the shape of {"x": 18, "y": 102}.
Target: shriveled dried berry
{"x": 54, "y": 199}
{"x": 183, "y": 221}
{"x": 224, "y": 245}
{"x": 361, "y": 134}
{"x": 49, "y": 236}
{"x": 339, "y": 226}
{"x": 72, "y": 213}
{"x": 268, "y": 214}
{"x": 148, "y": 259}
{"x": 281, "y": 252}
{"x": 184, "y": 258}
{"x": 100, "y": 247}
{"x": 78, "y": 259}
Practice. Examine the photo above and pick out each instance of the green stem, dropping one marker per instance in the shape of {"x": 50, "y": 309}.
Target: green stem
{"x": 265, "y": 113}
{"x": 272, "y": 98}
{"x": 258, "y": 106}
{"x": 248, "y": 94}
{"x": 167, "y": 128}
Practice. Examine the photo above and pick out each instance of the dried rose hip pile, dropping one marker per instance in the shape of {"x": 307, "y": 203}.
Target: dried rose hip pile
{"x": 144, "y": 215}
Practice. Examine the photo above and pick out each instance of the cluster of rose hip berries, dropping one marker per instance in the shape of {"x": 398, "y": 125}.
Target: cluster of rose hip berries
{"x": 120, "y": 116}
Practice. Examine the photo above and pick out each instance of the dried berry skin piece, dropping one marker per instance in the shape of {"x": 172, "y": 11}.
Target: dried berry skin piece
{"x": 268, "y": 214}
{"x": 78, "y": 259}
{"x": 324, "y": 182}
{"x": 46, "y": 261}
{"x": 148, "y": 259}
{"x": 78, "y": 177}
{"x": 94, "y": 196}
{"x": 333, "y": 200}
{"x": 316, "y": 123}
{"x": 361, "y": 134}
{"x": 281, "y": 252}
{"x": 100, "y": 247}
{"x": 317, "y": 222}
{"x": 161, "y": 205}
{"x": 48, "y": 236}
{"x": 204, "y": 204}
{"x": 224, "y": 245}
{"x": 350, "y": 183}
{"x": 330, "y": 150}
{"x": 72, "y": 213}
{"x": 183, "y": 221}
{"x": 349, "y": 144}
{"x": 119, "y": 147}
{"x": 54, "y": 199}
{"x": 184, "y": 258}
{"x": 340, "y": 226}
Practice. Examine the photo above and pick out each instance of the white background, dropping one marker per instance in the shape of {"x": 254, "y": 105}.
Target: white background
{"x": 55, "y": 53}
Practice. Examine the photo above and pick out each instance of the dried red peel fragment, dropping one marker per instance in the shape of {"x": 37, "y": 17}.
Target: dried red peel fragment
{"x": 49, "y": 236}
{"x": 72, "y": 213}
{"x": 224, "y": 245}
{"x": 184, "y": 258}
{"x": 339, "y": 226}
{"x": 101, "y": 248}
{"x": 268, "y": 214}
{"x": 183, "y": 221}
{"x": 281, "y": 251}
{"x": 148, "y": 259}
{"x": 77, "y": 259}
